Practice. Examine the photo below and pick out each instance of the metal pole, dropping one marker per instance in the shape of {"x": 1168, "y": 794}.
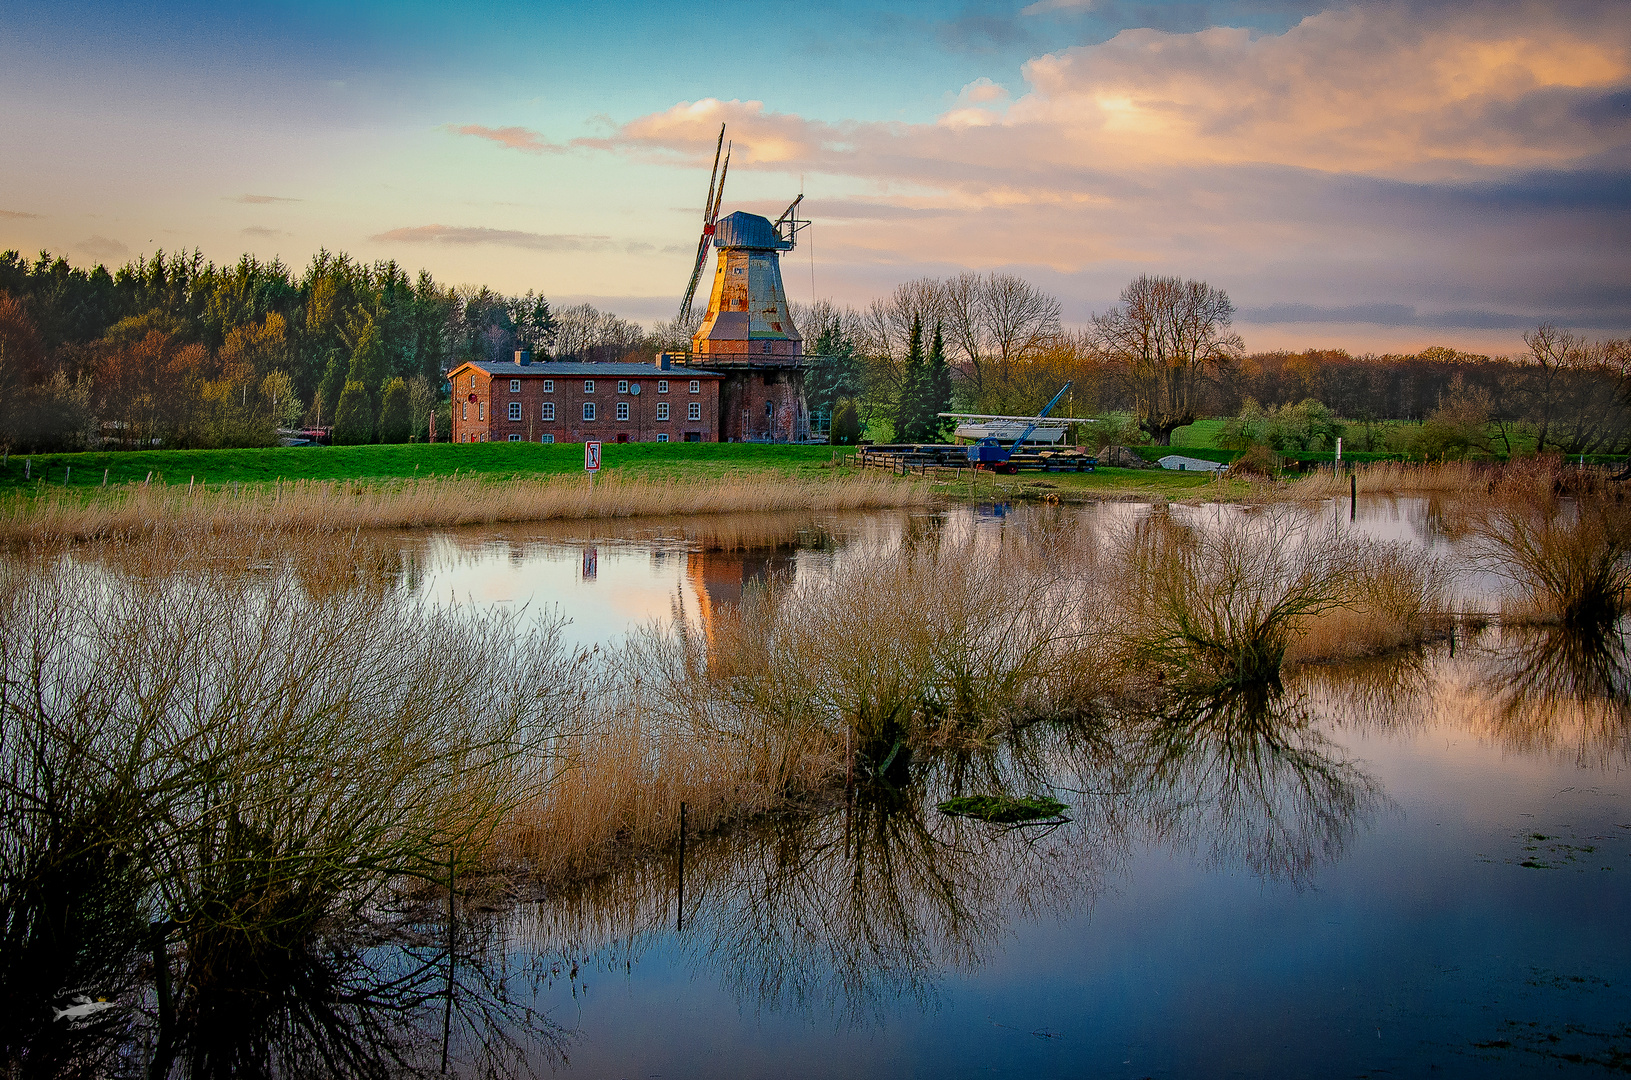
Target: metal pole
{"x": 679, "y": 908}
{"x": 447, "y": 1006}
{"x": 1353, "y": 495}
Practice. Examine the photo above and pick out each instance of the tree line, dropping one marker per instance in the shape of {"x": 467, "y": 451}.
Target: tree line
{"x": 1166, "y": 355}
{"x": 176, "y": 351}
{"x": 173, "y": 350}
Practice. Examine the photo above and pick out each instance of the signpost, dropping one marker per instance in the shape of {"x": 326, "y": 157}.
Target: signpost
{"x": 591, "y": 459}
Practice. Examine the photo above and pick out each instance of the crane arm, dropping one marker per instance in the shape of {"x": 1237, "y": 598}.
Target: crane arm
{"x": 1019, "y": 442}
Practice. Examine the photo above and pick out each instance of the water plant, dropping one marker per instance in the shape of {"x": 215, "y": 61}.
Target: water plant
{"x": 1004, "y": 809}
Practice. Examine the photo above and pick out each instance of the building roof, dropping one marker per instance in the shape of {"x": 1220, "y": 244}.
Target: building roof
{"x": 550, "y": 369}
{"x": 744, "y": 230}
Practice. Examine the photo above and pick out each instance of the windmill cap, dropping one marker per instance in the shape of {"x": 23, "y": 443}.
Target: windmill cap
{"x": 744, "y": 230}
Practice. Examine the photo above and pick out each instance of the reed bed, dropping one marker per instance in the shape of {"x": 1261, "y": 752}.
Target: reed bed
{"x": 1393, "y": 597}
{"x": 1536, "y": 477}
{"x": 802, "y": 688}
{"x": 1233, "y": 600}
{"x": 344, "y": 506}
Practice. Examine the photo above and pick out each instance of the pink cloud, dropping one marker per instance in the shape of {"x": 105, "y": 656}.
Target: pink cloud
{"x": 511, "y": 138}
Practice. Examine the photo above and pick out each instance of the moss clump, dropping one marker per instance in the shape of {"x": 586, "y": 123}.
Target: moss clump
{"x": 1002, "y": 809}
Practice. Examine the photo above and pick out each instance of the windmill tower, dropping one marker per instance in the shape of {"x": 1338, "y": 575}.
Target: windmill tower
{"x": 748, "y": 333}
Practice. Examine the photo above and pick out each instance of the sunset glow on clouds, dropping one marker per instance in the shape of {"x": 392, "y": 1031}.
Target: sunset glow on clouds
{"x": 1373, "y": 174}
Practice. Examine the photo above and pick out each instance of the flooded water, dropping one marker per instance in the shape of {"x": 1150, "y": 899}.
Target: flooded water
{"x": 1414, "y": 865}
{"x": 1408, "y": 866}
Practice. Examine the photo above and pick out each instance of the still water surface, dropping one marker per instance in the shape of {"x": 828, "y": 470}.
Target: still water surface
{"x": 1416, "y": 866}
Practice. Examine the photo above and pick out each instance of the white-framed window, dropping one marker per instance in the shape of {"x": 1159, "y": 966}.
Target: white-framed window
{"x": 546, "y": 438}
{"x": 515, "y": 438}
{"x": 588, "y": 410}
{"x": 662, "y": 437}
{"x": 481, "y": 410}
{"x": 515, "y": 410}
{"x": 472, "y": 380}
{"x": 693, "y": 411}
{"x": 696, "y": 386}
{"x": 549, "y": 386}
{"x": 588, "y": 386}
{"x": 515, "y": 386}
{"x": 622, "y": 386}
{"x": 662, "y": 410}
{"x": 662, "y": 386}
{"x": 464, "y": 410}
{"x": 548, "y": 412}
{"x": 622, "y": 410}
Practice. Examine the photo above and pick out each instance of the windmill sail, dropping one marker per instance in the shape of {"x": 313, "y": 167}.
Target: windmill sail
{"x": 710, "y": 213}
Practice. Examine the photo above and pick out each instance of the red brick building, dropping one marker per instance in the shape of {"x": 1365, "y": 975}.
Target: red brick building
{"x": 554, "y": 401}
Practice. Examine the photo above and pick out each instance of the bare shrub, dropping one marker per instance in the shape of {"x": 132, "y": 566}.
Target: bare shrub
{"x": 1258, "y": 461}
{"x": 800, "y": 686}
{"x": 1219, "y": 604}
{"x": 1570, "y": 562}
{"x": 258, "y": 763}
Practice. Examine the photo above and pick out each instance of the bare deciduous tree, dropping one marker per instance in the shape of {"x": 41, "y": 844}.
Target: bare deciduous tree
{"x": 1168, "y": 336}
{"x": 584, "y": 333}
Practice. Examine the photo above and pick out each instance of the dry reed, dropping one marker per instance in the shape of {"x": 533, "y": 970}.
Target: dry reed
{"x": 1393, "y": 597}
{"x": 343, "y": 506}
{"x": 801, "y": 686}
{"x": 1535, "y": 477}
{"x": 1232, "y": 600}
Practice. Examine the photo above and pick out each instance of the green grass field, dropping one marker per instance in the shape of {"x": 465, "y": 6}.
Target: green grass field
{"x": 491, "y": 460}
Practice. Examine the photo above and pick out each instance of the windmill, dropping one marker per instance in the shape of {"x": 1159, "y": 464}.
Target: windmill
{"x": 710, "y": 214}
{"x": 747, "y": 333}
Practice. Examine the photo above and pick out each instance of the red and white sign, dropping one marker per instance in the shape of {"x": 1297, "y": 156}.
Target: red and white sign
{"x": 591, "y": 456}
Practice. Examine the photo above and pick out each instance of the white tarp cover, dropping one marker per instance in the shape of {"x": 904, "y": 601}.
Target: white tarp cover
{"x": 1188, "y": 464}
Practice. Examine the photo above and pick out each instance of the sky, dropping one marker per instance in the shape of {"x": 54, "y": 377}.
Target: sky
{"x": 1376, "y": 176}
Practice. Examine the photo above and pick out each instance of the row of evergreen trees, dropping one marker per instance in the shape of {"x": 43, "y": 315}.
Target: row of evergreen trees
{"x": 925, "y": 390}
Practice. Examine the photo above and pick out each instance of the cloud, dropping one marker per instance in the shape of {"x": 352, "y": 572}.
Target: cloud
{"x": 1397, "y": 163}
{"x": 982, "y": 90}
{"x": 261, "y": 200}
{"x": 512, "y": 138}
{"x": 468, "y": 235}
{"x": 17, "y": 214}
{"x": 263, "y": 232}
{"x": 102, "y": 249}
{"x": 1386, "y": 89}
{"x": 1045, "y": 7}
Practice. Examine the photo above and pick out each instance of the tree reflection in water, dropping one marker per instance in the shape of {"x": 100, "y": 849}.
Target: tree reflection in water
{"x": 868, "y": 904}
{"x": 376, "y": 1002}
{"x": 1560, "y": 687}
{"x": 1245, "y": 775}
